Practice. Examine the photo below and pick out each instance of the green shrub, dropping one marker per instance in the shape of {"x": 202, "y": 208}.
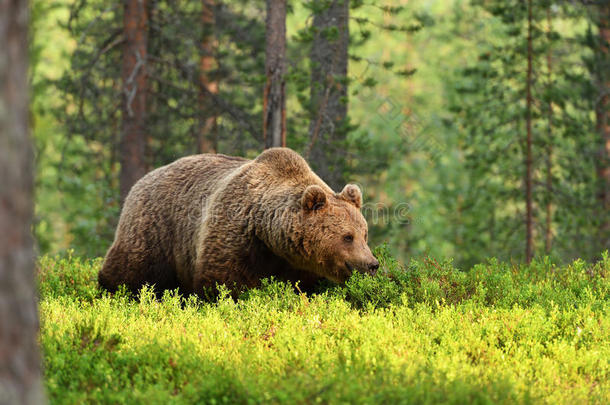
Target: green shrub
{"x": 426, "y": 333}
{"x": 68, "y": 276}
{"x": 492, "y": 284}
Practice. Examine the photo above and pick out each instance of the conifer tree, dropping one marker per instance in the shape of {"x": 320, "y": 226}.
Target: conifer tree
{"x": 603, "y": 121}
{"x": 207, "y": 136}
{"x": 20, "y": 367}
{"x": 329, "y": 84}
{"x": 274, "y": 98}
{"x": 134, "y": 87}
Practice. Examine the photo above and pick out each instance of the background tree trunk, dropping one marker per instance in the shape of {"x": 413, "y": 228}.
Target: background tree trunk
{"x": 603, "y": 124}
{"x": 274, "y": 98}
{"x": 20, "y": 376}
{"x": 133, "y": 142}
{"x": 207, "y": 141}
{"x": 327, "y": 130}
{"x": 529, "y": 217}
{"x": 548, "y": 240}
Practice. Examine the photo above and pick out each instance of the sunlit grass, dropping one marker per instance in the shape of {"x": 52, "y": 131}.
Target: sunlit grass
{"x": 425, "y": 334}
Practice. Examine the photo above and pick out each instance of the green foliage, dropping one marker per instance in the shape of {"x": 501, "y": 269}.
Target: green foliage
{"x": 68, "y": 276}
{"x": 488, "y": 100}
{"x": 78, "y": 107}
{"x": 435, "y": 123}
{"x": 426, "y": 333}
{"x": 78, "y": 159}
{"x": 493, "y": 284}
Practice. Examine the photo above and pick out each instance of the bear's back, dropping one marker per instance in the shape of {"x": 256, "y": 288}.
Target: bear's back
{"x": 165, "y": 206}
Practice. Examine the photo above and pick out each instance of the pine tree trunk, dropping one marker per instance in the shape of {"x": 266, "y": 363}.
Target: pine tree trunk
{"x": 548, "y": 240}
{"x": 274, "y": 98}
{"x": 207, "y": 140}
{"x": 529, "y": 220}
{"x": 20, "y": 368}
{"x": 329, "y": 58}
{"x": 133, "y": 142}
{"x": 603, "y": 125}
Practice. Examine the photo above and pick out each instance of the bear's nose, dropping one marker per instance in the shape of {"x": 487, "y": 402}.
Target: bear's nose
{"x": 374, "y": 265}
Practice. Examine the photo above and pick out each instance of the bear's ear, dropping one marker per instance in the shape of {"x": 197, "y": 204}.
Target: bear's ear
{"x": 314, "y": 198}
{"x": 351, "y": 193}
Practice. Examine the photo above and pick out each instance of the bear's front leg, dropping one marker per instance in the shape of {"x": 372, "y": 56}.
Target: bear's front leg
{"x": 209, "y": 274}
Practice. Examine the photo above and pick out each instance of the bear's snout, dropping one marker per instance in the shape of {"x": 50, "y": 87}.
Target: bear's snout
{"x": 368, "y": 266}
{"x": 373, "y": 266}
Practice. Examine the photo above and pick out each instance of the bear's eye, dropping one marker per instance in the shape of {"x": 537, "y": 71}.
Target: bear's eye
{"x": 348, "y": 238}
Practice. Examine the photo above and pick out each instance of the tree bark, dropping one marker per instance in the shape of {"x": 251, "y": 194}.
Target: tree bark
{"x": 329, "y": 58}
{"x": 603, "y": 125}
{"x": 134, "y": 140}
{"x": 274, "y": 98}
{"x": 20, "y": 368}
{"x": 207, "y": 141}
{"x": 548, "y": 240}
{"x": 529, "y": 218}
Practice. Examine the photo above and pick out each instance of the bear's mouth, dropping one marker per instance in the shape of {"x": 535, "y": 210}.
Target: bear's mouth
{"x": 349, "y": 267}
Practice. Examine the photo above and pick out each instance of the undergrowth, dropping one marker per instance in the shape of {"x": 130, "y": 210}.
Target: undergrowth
{"x": 426, "y": 333}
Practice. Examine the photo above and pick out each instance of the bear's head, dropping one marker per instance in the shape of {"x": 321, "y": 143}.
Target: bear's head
{"x": 334, "y": 235}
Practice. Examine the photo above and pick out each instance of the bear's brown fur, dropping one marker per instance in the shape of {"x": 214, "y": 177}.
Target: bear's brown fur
{"x": 208, "y": 219}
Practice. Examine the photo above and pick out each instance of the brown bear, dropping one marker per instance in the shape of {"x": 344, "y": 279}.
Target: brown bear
{"x": 211, "y": 218}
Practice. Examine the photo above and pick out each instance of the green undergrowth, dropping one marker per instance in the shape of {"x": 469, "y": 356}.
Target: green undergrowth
{"x": 426, "y": 333}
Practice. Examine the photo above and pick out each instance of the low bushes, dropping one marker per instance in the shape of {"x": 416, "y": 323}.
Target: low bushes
{"x": 426, "y": 333}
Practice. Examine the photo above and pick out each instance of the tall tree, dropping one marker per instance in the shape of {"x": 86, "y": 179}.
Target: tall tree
{"x": 178, "y": 108}
{"x": 20, "y": 376}
{"x": 207, "y": 141}
{"x": 497, "y": 110}
{"x": 274, "y": 98}
{"x": 529, "y": 216}
{"x": 134, "y": 137}
{"x": 549, "y": 143}
{"x": 329, "y": 58}
{"x": 603, "y": 122}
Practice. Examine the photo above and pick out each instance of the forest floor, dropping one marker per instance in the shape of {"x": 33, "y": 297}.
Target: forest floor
{"x": 427, "y": 333}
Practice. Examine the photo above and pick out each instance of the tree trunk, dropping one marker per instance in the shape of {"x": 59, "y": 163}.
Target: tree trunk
{"x": 274, "y": 98}
{"x": 133, "y": 142}
{"x": 20, "y": 368}
{"x": 529, "y": 220}
{"x": 548, "y": 240}
{"x": 327, "y": 130}
{"x": 207, "y": 140}
{"x": 603, "y": 125}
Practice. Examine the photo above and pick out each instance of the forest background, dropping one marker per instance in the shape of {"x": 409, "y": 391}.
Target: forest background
{"x": 476, "y": 129}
